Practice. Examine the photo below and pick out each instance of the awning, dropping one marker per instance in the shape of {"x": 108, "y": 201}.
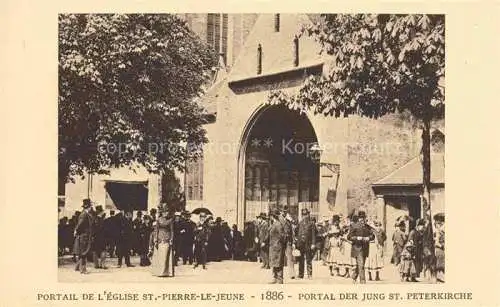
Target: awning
{"x": 126, "y": 195}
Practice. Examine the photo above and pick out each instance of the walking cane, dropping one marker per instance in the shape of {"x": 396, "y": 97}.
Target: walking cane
{"x": 172, "y": 247}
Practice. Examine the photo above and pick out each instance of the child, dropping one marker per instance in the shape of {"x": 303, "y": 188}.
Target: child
{"x": 407, "y": 264}
{"x": 334, "y": 257}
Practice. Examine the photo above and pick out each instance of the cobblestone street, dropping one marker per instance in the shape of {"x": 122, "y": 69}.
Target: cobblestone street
{"x": 235, "y": 272}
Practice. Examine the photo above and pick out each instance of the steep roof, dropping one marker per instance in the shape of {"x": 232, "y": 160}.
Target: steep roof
{"x": 411, "y": 173}
{"x": 277, "y": 47}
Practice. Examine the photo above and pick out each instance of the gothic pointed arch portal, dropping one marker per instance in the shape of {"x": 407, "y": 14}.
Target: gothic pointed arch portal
{"x": 275, "y": 168}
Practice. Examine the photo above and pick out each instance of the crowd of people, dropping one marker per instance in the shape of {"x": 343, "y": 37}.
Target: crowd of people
{"x": 347, "y": 245}
{"x": 412, "y": 253}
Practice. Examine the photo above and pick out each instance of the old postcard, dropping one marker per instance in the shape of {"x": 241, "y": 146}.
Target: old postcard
{"x": 247, "y": 156}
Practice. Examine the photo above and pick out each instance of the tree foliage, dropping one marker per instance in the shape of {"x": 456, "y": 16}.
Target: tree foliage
{"x": 379, "y": 64}
{"x": 127, "y": 91}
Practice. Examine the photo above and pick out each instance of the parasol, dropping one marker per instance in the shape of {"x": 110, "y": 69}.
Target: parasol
{"x": 201, "y": 210}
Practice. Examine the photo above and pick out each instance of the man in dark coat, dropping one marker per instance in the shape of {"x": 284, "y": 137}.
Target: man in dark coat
{"x": 228, "y": 242}
{"x": 201, "y": 236}
{"x": 187, "y": 238}
{"x": 306, "y": 243}
{"x": 360, "y": 235}
{"x": 83, "y": 237}
{"x": 236, "y": 243}
{"x": 144, "y": 231}
{"x": 216, "y": 241}
{"x": 111, "y": 233}
{"x": 99, "y": 240}
{"x": 249, "y": 235}
{"x": 264, "y": 241}
{"x": 178, "y": 232}
{"x": 277, "y": 246}
{"x": 125, "y": 239}
{"x": 137, "y": 222}
{"x": 417, "y": 236}
{"x": 399, "y": 239}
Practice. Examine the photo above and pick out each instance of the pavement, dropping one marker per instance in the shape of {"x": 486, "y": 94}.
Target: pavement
{"x": 228, "y": 271}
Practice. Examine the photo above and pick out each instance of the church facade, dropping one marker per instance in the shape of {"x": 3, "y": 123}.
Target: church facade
{"x": 261, "y": 155}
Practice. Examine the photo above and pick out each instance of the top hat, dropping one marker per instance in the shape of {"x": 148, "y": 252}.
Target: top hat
{"x": 335, "y": 218}
{"x": 275, "y": 212}
{"x": 400, "y": 224}
{"x": 304, "y": 211}
{"x": 86, "y": 203}
{"x": 361, "y": 214}
{"x": 162, "y": 207}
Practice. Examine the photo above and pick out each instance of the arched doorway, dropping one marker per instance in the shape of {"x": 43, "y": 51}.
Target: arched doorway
{"x": 275, "y": 167}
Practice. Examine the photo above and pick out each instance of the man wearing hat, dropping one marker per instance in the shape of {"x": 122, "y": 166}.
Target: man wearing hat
{"x": 99, "y": 241}
{"x": 136, "y": 224}
{"x": 306, "y": 243}
{"x": 125, "y": 239}
{"x": 277, "y": 246}
{"x": 264, "y": 241}
{"x": 187, "y": 237}
{"x": 399, "y": 238}
{"x": 201, "y": 235}
{"x": 360, "y": 235}
{"x": 417, "y": 236}
{"x": 83, "y": 237}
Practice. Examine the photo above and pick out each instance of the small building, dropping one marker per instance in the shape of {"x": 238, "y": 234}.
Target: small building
{"x": 399, "y": 193}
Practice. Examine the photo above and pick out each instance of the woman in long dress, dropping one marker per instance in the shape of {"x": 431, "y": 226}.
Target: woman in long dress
{"x": 161, "y": 244}
{"x": 439, "y": 248}
{"x": 375, "y": 261}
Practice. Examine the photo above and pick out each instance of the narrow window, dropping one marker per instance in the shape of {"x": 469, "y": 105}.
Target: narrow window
{"x": 276, "y": 22}
{"x": 259, "y": 59}
{"x": 296, "y": 51}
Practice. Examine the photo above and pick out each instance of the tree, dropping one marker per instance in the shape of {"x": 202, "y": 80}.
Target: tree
{"x": 379, "y": 64}
{"x": 127, "y": 92}
{"x": 171, "y": 192}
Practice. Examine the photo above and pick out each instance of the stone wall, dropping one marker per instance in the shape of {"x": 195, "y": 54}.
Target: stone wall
{"x": 376, "y": 148}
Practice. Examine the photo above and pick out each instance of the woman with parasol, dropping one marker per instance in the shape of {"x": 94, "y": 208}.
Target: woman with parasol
{"x": 161, "y": 243}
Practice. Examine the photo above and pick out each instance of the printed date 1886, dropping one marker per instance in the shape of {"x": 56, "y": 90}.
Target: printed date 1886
{"x": 272, "y": 296}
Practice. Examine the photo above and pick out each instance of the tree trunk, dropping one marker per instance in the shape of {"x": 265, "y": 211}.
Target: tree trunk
{"x": 426, "y": 196}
